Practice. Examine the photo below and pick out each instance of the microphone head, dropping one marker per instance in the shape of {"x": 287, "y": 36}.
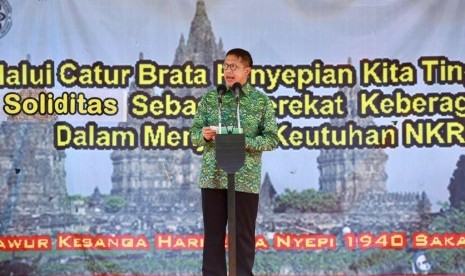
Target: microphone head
{"x": 221, "y": 89}
{"x": 237, "y": 87}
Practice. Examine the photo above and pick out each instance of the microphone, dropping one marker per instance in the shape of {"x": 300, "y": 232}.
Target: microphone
{"x": 221, "y": 89}
{"x": 237, "y": 88}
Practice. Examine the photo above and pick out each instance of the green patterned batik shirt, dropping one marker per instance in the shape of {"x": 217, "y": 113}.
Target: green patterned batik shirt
{"x": 258, "y": 121}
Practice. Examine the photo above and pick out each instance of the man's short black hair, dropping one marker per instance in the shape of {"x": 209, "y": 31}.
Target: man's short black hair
{"x": 243, "y": 54}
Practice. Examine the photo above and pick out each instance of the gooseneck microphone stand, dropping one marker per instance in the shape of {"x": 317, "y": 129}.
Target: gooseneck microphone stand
{"x": 230, "y": 156}
{"x": 221, "y": 89}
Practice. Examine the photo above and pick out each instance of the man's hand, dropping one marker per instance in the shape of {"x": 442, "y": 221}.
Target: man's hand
{"x": 208, "y": 133}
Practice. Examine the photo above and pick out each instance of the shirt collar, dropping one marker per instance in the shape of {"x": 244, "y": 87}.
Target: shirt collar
{"x": 246, "y": 89}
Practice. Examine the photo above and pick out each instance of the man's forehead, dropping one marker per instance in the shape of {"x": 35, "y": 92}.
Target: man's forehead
{"x": 233, "y": 58}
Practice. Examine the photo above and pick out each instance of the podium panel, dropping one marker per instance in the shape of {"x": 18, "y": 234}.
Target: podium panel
{"x": 230, "y": 152}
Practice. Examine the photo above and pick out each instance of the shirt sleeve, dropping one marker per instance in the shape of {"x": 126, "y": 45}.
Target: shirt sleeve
{"x": 267, "y": 139}
{"x": 200, "y": 120}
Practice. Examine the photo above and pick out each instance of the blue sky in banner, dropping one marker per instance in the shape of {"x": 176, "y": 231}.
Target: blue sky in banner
{"x": 276, "y": 32}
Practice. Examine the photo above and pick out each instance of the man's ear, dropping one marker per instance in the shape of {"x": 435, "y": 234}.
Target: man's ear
{"x": 247, "y": 71}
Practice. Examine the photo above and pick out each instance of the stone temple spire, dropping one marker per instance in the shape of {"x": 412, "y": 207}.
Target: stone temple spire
{"x": 267, "y": 195}
{"x": 180, "y": 51}
{"x": 200, "y": 47}
{"x": 152, "y": 176}
{"x": 352, "y": 172}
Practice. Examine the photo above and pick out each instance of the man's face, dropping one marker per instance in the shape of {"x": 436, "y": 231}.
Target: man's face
{"x": 240, "y": 72}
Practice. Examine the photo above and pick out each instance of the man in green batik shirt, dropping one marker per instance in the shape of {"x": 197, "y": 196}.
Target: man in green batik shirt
{"x": 257, "y": 118}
